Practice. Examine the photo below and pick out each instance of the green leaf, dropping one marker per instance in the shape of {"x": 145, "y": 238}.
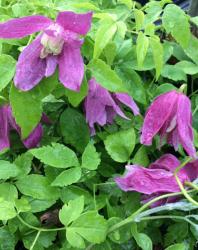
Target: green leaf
{"x": 23, "y": 162}
{"x": 128, "y": 3}
{"x": 178, "y": 27}
{"x": 74, "y": 129}
{"x": 37, "y": 186}
{"x": 67, "y": 177}
{"x": 8, "y": 170}
{"x": 7, "y": 210}
{"x": 179, "y": 246}
{"x": 173, "y": 73}
{"x": 110, "y": 52}
{"x": 75, "y": 239}
{"x": 71, "y": 211}
{"x": 141, "y": 157}
{"x": 90, "y": 226}
{"x": 57, "y": 155}
{"x": 120, "y": 145}
{"x": 90, "y": 157}
{"x": 187, "y": 67}
{"x": 8, "y": 192}
{"x": 194, "y": 20}
{"x": 74, "y": 97}
{"x": 7, "y": 239}
{"x": 164, "y": 88}
{"x": 104, "y": 35}
{"x": 141, "y": 48}
{"x": 7, "y": 70}
{"x": 192, "y": 49}
{"x": 133, "y": 83}
{"x": 158, "y": 54}
{"x": 139, "y": 19}
{"x": 27, "y": 106}
{"x": 105, "y": 76}
{"x": 22, "y": 205}
{"x": 142, "y": 240}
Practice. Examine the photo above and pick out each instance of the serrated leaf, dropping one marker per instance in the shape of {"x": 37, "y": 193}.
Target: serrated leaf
{"x": 158, "y": 55}
{"x": 120, "y": 145}
{"x": 37, "y": 186}
{"x": 71, "y": 211}
{"x": 173, "y": 73}
{"x": 90, "y": 157}
{"x": 178, "y": 27}
{"x": 74, "y": 129}
{"x": 8, "y": 192}
{"x": 142, "y": 240}
{"x": 57, "y": 155}
{"x": 90, "y": 226}
{"x": 24, "y": 162}
{"x": 187, "y": 67}
{"x": 7, "y": 210}
{"x": 74, "y": 238}
{"x": 141, "y": 48}
{"x": 67, "y": 177}
{"x": 104, "y": 35}
{"x": 141, "y": 157}
{"x": 105, "y": 76}
{"x": 7, "y": 70}
{"x": 8, "y": 170}
{"x": 27, "y": 106}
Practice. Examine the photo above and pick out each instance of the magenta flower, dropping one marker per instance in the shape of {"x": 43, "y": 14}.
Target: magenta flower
{"x": 101, "y": 106}
{"x": 58, "y": 44}
{"x": 158, "y": 178}
{"x": 170, "y": 116}
{"x": 8, "y": 123}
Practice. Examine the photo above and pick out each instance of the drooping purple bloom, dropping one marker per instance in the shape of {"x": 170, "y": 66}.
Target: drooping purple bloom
{"x": 8, "y": 123}
{"x": 170, "y": 116}
{"x": 101, "y": 106}
{"x": 58, "y": 44}
{"x": 158, "y": 178}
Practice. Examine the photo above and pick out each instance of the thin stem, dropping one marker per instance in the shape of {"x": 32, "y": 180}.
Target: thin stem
{"x": 35, "y": 240}
{"x": 192, "y": 185}
{"x": 39, "y": 228}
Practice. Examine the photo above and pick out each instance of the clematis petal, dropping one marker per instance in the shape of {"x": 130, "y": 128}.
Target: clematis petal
{"x": 167, "y": 162}
{"x": 4, "y": 129}
{"x": 157, "y": 115}
{"x": 184, "y": 121}
{"x": 78, "y": 23}
{"x": 34, "y": 138}
{"x": 24, "y": 26}
{"x": 191, "y": 170}
{"x": 128, "y": 101}
{"x": 148, "y": 181}
{"x": 30, "y": 67}
{"x": 51, "y": 62}
{"x": 71, "y": 68}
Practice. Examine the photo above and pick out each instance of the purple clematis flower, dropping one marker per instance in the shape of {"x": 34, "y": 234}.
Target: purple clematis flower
{"x": 158, "y": 178}
{"x": 8, "y": 123}
{"x": 58, "y": 44}
{"x": 101, "y": 106}
{"x": 170, "y": 116}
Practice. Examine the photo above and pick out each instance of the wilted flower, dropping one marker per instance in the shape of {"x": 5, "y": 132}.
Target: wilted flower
{"x": 8, "y": 123}
{"x": 101, "y": 106}
{"x": 59, "y": 44}
{"x": 158, "y": 178}
{"x": 170, "y": 116}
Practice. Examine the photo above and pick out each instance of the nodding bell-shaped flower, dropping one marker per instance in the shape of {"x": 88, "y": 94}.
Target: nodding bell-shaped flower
{"x": 170, "y": 116}
{"x": 101, "y": 106}
{"x": 8, "y": 123}
{"x": 158, "y": 178}
{"x": 58, "y": 44}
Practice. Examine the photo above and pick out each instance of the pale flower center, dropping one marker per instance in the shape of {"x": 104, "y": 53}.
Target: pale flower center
{"x": 52, "y": 44}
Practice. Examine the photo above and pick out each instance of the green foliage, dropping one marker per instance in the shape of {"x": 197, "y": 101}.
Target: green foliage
{"x": 120, "y": 145}
{"x": 62, "y": 194}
